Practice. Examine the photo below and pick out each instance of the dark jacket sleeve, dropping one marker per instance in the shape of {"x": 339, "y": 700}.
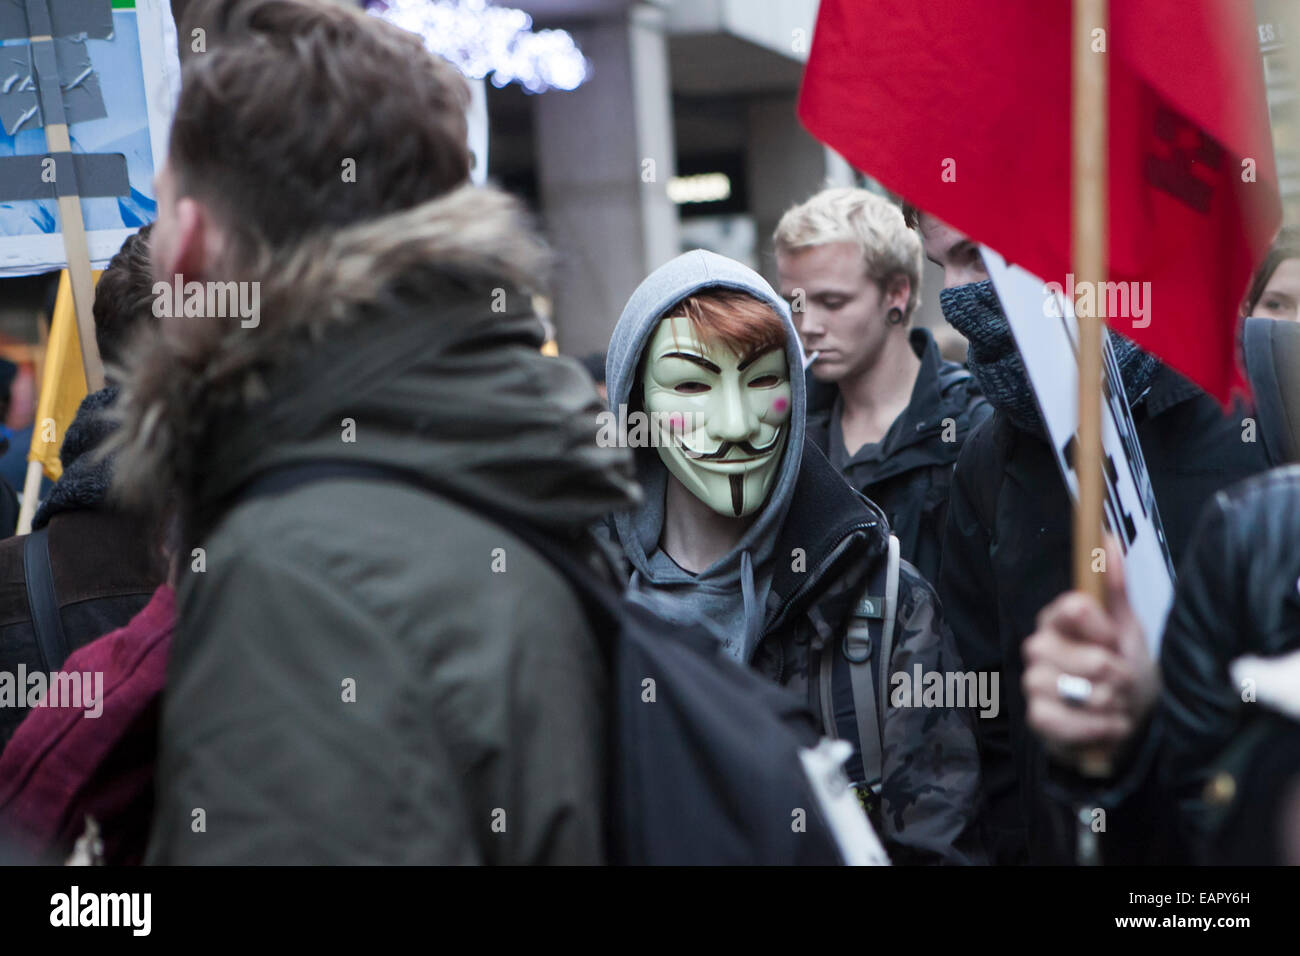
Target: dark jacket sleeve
{"x": 930, "y": 793}
{"x": 1200, "y": 708}
{"x": 969, "y": 594}
{"x": 1155, "y": 805}
{"x": 975, "y": 411}
{"x": 8, "y": 510}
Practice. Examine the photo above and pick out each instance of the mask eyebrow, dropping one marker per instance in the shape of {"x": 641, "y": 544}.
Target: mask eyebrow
{"x": 696, "y": 359}
{"x": 754, "y": 358}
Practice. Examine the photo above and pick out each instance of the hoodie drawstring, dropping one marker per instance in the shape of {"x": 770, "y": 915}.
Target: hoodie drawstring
{"x": 753, "y": 617}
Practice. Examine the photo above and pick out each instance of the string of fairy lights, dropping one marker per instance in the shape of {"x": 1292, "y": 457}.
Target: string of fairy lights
{"x": 484, "y": 40}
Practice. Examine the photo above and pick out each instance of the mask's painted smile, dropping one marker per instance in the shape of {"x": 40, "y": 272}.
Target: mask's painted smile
{"x": 726, "y": 447}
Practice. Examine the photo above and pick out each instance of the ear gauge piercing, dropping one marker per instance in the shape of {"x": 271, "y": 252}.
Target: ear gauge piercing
{"x": 895, "y": 316}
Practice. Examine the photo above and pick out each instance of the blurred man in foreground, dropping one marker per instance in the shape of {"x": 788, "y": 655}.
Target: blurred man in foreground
{"x": 365, "y": 668}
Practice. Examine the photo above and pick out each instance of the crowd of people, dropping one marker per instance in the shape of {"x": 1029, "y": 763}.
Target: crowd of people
{"x": 293, "y": 558}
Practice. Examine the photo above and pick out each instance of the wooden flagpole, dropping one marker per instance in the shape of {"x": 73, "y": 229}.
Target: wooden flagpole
{"x": 31, "y": 490}
{"x": 1088, "y": 241}
{"x": 79, "y": 271}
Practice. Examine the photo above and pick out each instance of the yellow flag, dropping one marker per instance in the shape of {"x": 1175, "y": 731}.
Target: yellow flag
{"x": 63, "y": 383}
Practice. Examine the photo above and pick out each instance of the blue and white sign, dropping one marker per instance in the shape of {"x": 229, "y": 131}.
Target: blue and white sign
{"x": 119, "y": 84}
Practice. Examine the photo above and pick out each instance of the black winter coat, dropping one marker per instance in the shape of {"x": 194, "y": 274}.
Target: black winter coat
{"x": 1007, "y": 554}
{"x": 908, "y": 476}
{"x": 1238, "y": 594}
{"x": 104, "y": 562}
{"x": 8, "y": 500}
{"x": 105, "y": 569}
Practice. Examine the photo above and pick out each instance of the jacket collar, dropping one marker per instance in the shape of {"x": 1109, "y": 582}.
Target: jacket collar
{"x": 925, "y": 410}
{"x": 86, "y": 476}
{"x": 935, "y": 396}
{"x": 1168, "y": 389}
{"x": 829, "y": 528}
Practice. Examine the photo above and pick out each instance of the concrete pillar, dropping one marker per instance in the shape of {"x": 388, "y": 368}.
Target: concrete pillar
{"x": 784, "y": 166}
{"x": 604, "y": 156}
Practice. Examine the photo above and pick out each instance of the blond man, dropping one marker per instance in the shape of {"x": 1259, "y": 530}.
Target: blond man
{"x": 889, "y": 412}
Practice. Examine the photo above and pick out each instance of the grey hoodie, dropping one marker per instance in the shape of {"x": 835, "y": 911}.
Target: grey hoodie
{"x": 730, "y": 597}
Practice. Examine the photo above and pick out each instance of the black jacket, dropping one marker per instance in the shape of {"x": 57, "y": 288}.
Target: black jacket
{"x": 836, "y": 541}
{"x": 104, "y": 562}
{"x": 1237, "y": 595}
{"x": 8, "y": 501}
{"x": 104, "y": 566}
{"x": 910, "y": 472}
{"x": 1007, "y": 554}
{"x": 9, "y": 509}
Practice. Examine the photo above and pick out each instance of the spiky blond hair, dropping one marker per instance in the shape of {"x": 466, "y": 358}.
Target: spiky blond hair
{"x": 869, "y": 221}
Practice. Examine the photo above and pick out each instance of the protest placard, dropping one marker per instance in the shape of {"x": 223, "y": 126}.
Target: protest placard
{"x": 1043, "y": 323}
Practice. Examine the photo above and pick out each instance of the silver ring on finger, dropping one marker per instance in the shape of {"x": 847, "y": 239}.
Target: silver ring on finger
{"x": 1075, "y": 691}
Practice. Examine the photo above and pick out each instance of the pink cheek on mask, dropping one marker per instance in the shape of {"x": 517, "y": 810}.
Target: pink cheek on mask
{"x": 780, "y": 405}
{"x": 676, "y": 422}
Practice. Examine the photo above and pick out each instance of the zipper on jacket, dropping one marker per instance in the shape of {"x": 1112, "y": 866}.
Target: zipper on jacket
{"x": 808, "y": 582}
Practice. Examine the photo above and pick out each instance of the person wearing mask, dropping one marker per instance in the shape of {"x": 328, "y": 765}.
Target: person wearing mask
{"x": 1007, "y": 545}
{"x": 747, "y": 529}
{"x": 1274, "y": 291}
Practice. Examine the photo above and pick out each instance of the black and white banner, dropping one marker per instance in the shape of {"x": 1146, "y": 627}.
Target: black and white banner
{"x": 1043, "y": 322}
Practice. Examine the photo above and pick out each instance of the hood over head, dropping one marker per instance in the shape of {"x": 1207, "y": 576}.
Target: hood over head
{"x": 382, "y": 342}
{"x": 87, "y": 477}
{"x": 731, "y": 595}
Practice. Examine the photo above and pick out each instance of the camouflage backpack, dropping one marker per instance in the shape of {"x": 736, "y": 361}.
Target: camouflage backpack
{"x": 866, "y": 646}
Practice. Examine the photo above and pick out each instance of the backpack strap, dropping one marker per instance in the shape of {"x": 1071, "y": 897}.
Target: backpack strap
{"x": 826, "y": 689}
{"x": 51, "y": 642}
{"x": 868, "y": 664}
{"x": 891, "y": 622}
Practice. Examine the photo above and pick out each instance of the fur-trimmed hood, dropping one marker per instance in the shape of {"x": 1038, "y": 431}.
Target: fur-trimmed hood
{"x": 407, "y": 340}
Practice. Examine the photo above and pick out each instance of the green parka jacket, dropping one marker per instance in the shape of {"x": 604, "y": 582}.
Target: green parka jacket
{"x": 364, "y": 672}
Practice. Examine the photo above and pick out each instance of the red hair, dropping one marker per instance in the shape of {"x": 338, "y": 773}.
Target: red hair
{"x": 745, "y": 324}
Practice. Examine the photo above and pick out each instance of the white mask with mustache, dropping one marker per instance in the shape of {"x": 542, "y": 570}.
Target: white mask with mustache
{"x": 727, "y": 415}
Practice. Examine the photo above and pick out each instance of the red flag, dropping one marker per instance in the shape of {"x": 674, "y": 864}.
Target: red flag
{"x": 963, "y": 107}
